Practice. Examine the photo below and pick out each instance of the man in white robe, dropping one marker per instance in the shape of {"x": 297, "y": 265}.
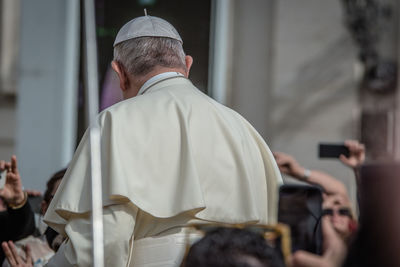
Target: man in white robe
{"x": 170, "y": 156}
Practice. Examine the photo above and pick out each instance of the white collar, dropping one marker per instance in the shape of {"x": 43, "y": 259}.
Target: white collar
{"x": 157, "y": 78}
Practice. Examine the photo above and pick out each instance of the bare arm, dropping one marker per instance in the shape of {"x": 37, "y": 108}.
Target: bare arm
{"x": 288, "y": 165}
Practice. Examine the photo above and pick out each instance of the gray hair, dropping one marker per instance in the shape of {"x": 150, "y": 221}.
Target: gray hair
{"x": 140, "y": 55}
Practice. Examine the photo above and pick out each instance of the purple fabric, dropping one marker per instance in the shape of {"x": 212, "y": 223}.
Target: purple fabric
{"x": 111, "y": 92}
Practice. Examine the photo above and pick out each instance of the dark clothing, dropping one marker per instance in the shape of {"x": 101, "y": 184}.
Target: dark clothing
{"x": 50, "y": 235}
{"x": 16, "y": 224}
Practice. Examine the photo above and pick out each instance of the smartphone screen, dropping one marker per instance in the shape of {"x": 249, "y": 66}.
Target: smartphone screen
{"x": 300, "y": 207}
{"x": 3, "y": 175}
{"x": 332, "y": 150}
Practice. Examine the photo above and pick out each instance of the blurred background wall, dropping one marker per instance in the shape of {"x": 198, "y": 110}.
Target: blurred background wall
{"x": 315, "y": 87}
{"x": 292, "y": 75}
{"x": 40, "y": 117}
{"x": 9, "y": 29}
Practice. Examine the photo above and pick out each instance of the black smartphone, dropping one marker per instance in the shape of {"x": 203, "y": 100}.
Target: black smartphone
{"x": 300, "y": 207}
{"x": 332, "y": 150}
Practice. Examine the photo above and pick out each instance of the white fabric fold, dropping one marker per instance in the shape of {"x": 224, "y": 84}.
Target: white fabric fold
{"x": 173, "y": 150}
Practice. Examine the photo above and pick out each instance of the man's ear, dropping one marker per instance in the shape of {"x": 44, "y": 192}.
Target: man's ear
{"x": 122, "y": 75}
{"x": 188, "y": 62}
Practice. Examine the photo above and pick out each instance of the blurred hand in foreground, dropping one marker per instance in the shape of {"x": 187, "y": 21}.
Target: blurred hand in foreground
{"x": 334, "y": 248}
{"x": 13, "y": 258}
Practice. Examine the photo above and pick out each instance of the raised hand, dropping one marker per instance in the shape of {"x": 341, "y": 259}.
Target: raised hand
{"x": 12, "y": 192}
{"x": 288, "y": 165}
{"x": 356, "y": 154}
{"x": 13, "y": 258}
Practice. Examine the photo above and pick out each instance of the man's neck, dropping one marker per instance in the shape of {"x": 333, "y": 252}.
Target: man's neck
{"x": 138, "y": 82}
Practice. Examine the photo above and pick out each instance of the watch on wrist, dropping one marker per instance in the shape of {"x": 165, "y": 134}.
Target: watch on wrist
{"x": 306, "y": 174}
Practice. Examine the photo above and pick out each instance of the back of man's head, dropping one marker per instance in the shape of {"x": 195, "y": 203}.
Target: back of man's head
{"x": 232, "y": 247}
{"x": 141, "y": 55}
{"x": 146, "y": 42}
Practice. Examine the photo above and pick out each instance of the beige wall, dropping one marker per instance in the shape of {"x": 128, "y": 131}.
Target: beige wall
{"x": 7, "y": 128}
{"x": 252, "y": 62}
{"x": 47, "y": 88}
{"x": 293, "y": 77}
{"x": 9, "y": 40}
{"x": 314, "y": 90}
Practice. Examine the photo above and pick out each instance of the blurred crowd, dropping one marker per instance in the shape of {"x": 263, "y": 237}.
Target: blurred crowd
{"x": 21, "y": 215}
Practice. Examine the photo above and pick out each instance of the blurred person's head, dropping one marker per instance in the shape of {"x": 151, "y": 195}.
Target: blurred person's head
{"x": 232, "y": 247}
{"x": 51, "y": 188}
{"x": 145, "y": 47}
{"x": 340, "y": 214}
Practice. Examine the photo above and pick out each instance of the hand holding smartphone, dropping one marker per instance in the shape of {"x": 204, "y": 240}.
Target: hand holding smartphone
{"x": 3, "y": 177}
{"x": 333, "y": 150}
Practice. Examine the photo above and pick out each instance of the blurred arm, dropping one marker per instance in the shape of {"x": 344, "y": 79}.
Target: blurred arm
{"x": 288, "y": 165}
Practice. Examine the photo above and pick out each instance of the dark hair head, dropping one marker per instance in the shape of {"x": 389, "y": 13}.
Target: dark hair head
{"x": 232, "y": 247}
{"x": 51, "y": 183}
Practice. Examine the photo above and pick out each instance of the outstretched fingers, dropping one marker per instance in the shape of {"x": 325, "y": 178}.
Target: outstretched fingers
{"x": 10, "y": 252}
{"x": 28, "y": 252}
{"x": 14, "y": 259}
{"x": 14, "y": 167}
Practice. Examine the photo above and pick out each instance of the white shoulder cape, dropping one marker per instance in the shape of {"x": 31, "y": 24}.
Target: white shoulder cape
{"x": 171, "y": 150}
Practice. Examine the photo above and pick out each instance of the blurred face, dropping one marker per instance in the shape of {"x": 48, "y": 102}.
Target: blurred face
{"x": 339, "y": 214}
{"x": 45, "y": 205}
{"x": 56, "y": 185}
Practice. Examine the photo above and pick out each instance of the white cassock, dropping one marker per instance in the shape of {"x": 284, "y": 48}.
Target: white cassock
{"x": 170, "y": 156}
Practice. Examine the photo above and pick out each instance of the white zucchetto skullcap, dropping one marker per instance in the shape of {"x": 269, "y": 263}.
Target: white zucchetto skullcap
{"x": 146, "y": 26}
